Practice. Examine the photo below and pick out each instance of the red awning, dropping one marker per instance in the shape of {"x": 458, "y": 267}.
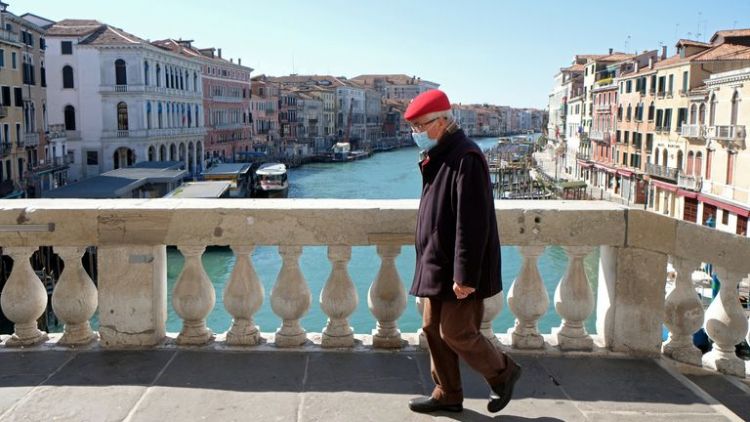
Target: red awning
{"x": 665, "y": 186}
{"x": 584, "y": 164}
{"x": 603, "y": 167}
{"x": 625, "y": 173}
{"x": 725, "y": 206}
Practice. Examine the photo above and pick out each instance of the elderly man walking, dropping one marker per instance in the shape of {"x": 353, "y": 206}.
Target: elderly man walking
{"x": 458, "y": 258}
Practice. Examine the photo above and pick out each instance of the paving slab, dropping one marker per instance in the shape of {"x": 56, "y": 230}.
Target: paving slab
{"x": 629, "y": 385}
{"x": 20, "y": 372}
{"x": 385, "y": 373}
{"x": 728, "y": 394}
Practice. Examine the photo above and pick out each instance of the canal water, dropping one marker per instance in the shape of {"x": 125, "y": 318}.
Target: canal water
{"x": 387, "y": 175}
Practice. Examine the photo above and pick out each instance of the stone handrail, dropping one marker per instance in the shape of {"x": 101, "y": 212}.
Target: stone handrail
{"x": 131, "y": 238}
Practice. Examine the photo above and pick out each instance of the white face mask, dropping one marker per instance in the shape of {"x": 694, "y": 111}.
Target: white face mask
{"x": 423, "y": 141}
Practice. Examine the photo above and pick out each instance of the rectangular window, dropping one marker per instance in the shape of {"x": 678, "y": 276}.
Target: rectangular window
{"x": 66, "y": 47}
{"x": 684, "y": 82}
{"x": 13, "y": 60}
{"x": 671, "y": 84}
{"x": 2, "y": 57}
{"x": 741, "y": 225}
{"x": 659, "y": 118}
{"x": 42, "y": 43}
{"x": 681, "y": 117}
{"x": 668, "y": 118}
{"x": 724, "y": 217}
{"x": 6, "y": 96}
{"x": 18, "y": 94}
{"x": 92, "y": 159}
{"x": 628, "y": 87}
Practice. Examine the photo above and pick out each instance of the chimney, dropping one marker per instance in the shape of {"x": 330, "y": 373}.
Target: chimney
{"x": 231, "y": 60}
{"x": 219, "y": 53}
{"x": 663, "y": 52}
{"x": 610, "y": 51}
{"x": 637, "y": 65}
{"x": 239, "y": 61}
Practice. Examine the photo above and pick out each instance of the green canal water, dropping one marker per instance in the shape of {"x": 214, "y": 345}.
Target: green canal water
{"x": 388, "y": 175}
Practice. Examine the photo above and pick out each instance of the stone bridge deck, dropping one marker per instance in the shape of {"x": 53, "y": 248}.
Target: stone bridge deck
{"x": 315, "y": 385}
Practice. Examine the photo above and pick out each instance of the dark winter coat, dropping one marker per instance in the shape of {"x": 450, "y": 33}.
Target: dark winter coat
{"x": 456, "y": 237}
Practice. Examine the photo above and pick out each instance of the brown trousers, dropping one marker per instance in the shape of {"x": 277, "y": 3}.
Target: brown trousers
{"x": 452, "y": 330}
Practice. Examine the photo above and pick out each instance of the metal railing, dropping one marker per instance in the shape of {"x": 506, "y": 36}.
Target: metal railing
{"x": 692, "y": 183}
{"x": 662, "y": 172}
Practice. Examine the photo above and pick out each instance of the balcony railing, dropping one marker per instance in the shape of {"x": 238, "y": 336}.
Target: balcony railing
{"x": 695, "y": 131}
{"x": 31, "y": 139}
{"x": 663, "y": 172}
{"x": 732, "y": 134}
{"x": 692, "y": 183}
{"x": 5, "y": 149}
{"x": 8, "y": 36}
{"x": 151, "y": 89}
{"x": 130, "y": 237}
{"x": 731, "y": 192}
{"x": 154, "y": 133}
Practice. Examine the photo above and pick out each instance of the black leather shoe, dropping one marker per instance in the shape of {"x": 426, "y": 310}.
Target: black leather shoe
{"x": 501, "y": 394}
{"x": 429, "y": 405}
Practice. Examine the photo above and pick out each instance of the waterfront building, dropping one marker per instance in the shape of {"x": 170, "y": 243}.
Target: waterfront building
{"x": 226, "y": 99}
{"x": 264, "y": 108}
{"x": 682, "y": 82}
{"x": 121, "y": 99}
{"x": 396, "y": 86}
{"x": 373, "y": 118}
{"x": 310, "y": 134}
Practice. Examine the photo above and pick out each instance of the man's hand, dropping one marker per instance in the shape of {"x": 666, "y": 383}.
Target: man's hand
{"x": 462, "y": 291}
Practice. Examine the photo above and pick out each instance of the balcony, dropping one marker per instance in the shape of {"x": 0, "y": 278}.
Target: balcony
{"x": 199, "y": 374}
{"x": 31, "y": 139}
{"x": 696, "y": 131}
{"x": 5, "y": 149}
{"x": 148, "y": 89}
{"x": 663, "y": 172}
{"x": 8, "y": 36}
{"x": 730, "y": 135}
{"x": 731, "y": 192}
{"x": 693, "y": 183}
{"x": 155, "y": 133}
{"x": 603, "y": 108}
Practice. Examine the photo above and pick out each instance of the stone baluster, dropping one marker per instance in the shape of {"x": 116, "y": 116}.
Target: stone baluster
{"x": 338, "y": 299}
{"x": 492, "y": 308}
{"x": 387, "y": 299}
{"x": 683, "y": 315}
{"x": 290, "y": 298}
{"x": 726, "y": 325}
{"x": 574, "y": 302}
{"x": 420, "y": 333}
{"x": 243, "y": 297}
{"x": 23, "y": 299}
{"x": 75, "y": 298}
{"x": 528, "y": 300}
{"x": 193, "y": 298}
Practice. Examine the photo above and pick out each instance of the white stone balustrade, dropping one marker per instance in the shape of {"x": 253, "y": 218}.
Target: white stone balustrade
{"x": 527, "y": 299}
{"x": 683, "y": 315}
{"x": 290, "y": 298}
{"x": 726, "y": 325}
{"x": 74, "y": 299}
{"x": 386, "y": 299}
{"x": 243, "y": 297}
{"x": 338, "y": 299}
{"x": 574, "y": 302}
{"x": 130, "y": 237}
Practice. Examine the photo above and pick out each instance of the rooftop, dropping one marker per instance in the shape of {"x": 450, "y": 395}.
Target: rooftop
{"x": 120, "y": 182}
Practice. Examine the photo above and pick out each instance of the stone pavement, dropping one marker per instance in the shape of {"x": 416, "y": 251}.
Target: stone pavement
{"x": 197, "y": 385}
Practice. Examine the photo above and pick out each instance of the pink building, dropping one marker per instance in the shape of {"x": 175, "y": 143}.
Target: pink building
{"x": 226, "y": 100}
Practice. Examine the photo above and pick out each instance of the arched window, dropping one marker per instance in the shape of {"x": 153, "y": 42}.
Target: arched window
{"x": 145, "y": 73}
{"x": 182, "y": 81}
{"x": 698, "y": 165}
{"x": 122, "y": 116}
{"x": 67, "y": 75}
{"x": 628, "y": 113}
{"x": 735, "y": 108}
{"x": 664, "y": 156}
{"x": 70, "y": 117}
{"x": 651, "y": 112}
{"x": 121, "y": 73}
{"x": 189, "y": 117}
{"x": 195, "y": 82}
{"x": 712, "y": 111}
{"x": 197, "y": 122}
{"x": 160, "y": 117}
{"x": 656, "y": 156}
{"x": 619, "y": 113}
{"x": 702, "y": 114}
{"x": 679, "y": 160}
{"x": 689, "y": 169}
{"x": 693, "y": 114}
{"x": 148, "y": 115}
{"x": 158, "y": 74}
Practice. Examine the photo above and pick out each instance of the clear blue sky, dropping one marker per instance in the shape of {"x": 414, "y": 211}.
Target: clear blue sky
{"x": 492, "y": 51}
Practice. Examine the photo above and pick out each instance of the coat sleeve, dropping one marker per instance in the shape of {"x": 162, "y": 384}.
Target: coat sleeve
{"x": 473, "y": 206}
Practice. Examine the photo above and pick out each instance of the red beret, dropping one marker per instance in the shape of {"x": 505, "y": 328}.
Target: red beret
{"x": 427, "y": 102}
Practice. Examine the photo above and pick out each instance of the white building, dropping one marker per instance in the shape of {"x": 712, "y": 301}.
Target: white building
{"x": 396, "y": 86}
{"x": 556, "y": 123}
{"x": 121, "y": 99}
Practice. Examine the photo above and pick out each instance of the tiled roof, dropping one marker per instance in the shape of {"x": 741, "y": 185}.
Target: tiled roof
{"x": 615, "y": 57}
{"x": 729, "y": 33}
{"x": 109, "y": 35}
{"x": 724, "y": 52}
{"x": 394, "y": 79}
{"x": 74, "y": 27}
{"x": 684, "y": 41}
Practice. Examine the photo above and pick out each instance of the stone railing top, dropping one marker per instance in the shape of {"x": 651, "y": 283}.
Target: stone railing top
{"x": 90, "y": 222}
